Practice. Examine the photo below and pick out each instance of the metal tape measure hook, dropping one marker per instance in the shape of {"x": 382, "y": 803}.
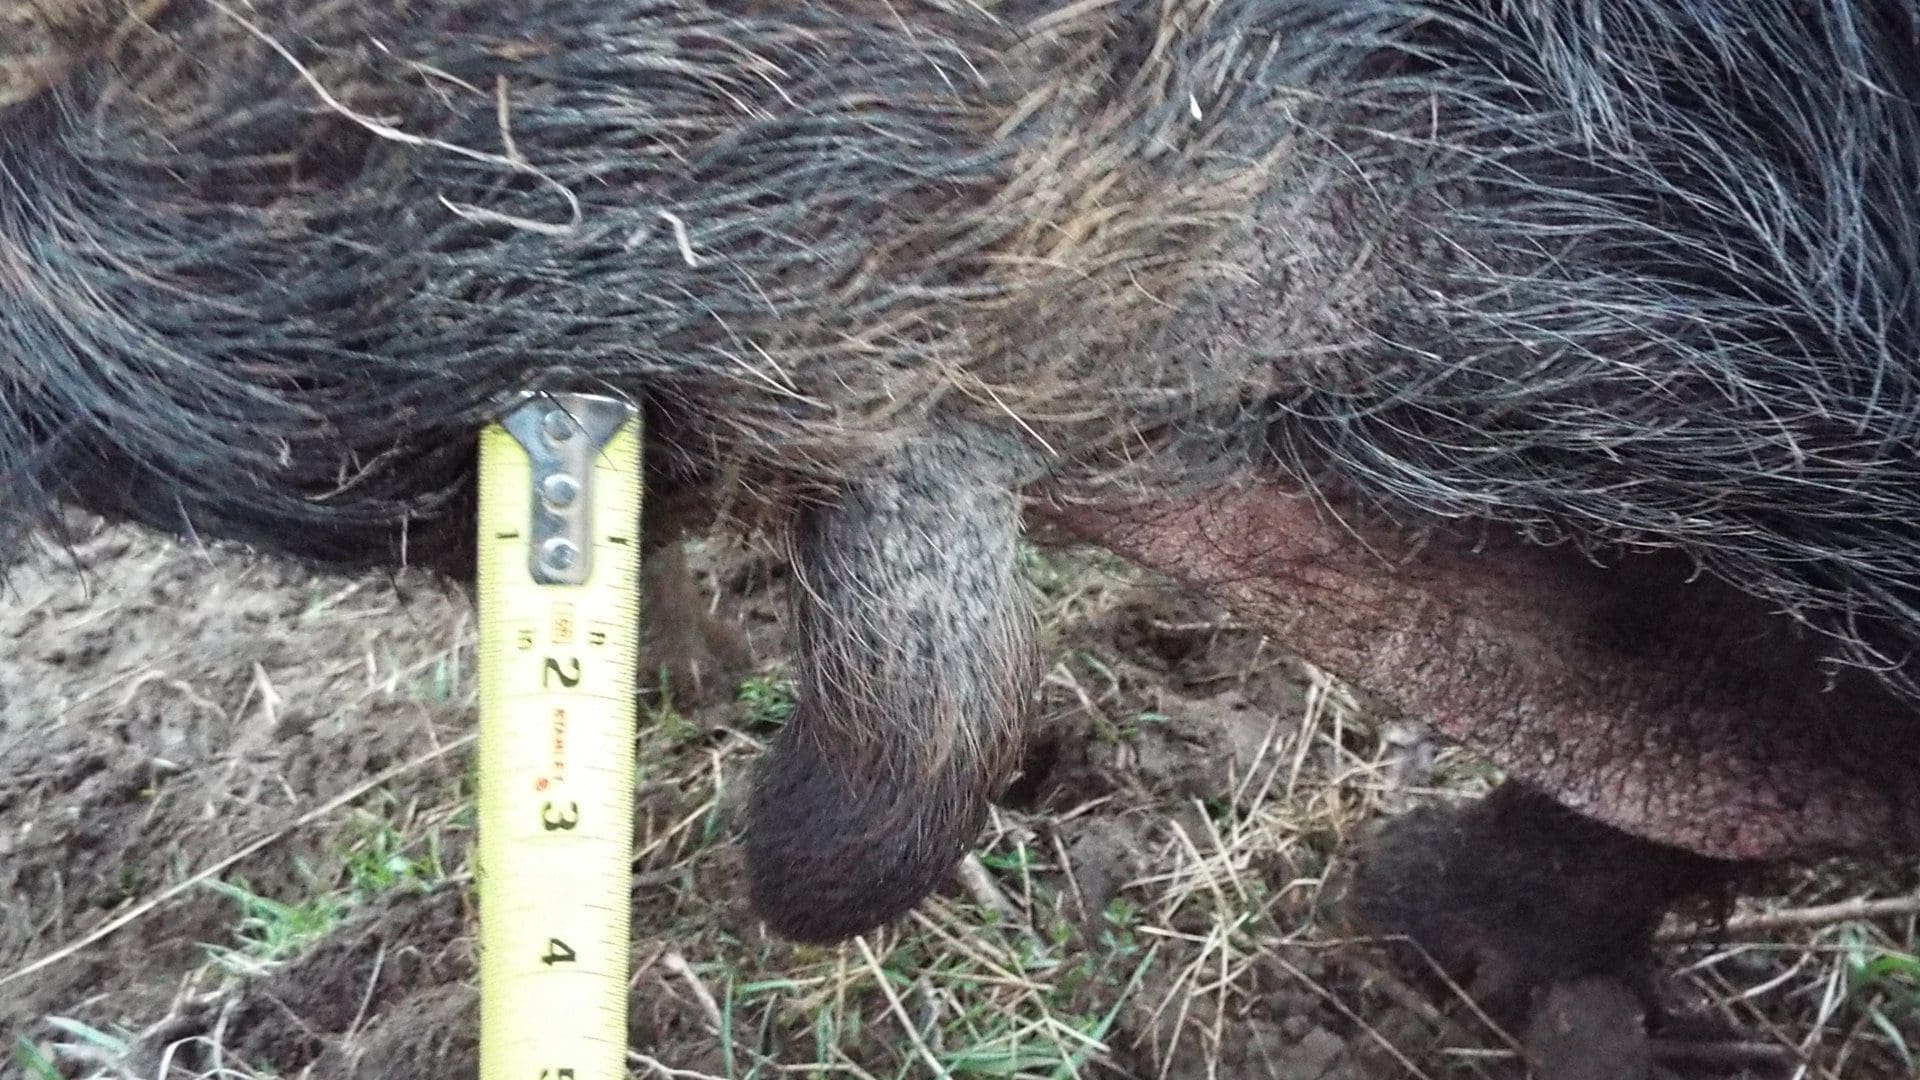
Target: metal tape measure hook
{"x": 561, "y": 433}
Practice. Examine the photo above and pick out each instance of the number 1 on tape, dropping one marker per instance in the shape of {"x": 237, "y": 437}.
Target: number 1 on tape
{"x": 559, "y": 610}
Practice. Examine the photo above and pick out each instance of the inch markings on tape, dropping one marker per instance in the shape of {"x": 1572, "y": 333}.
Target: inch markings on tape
{"x": 559, "y": 623}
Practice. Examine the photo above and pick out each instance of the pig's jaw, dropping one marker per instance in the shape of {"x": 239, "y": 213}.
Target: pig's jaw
{"x": 1671, "y": 708}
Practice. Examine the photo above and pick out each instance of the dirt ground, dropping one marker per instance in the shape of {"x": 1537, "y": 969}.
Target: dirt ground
{"x": 235, "y": 814}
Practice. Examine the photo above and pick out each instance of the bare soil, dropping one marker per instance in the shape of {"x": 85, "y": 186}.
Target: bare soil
{"x": 235, "y": 812}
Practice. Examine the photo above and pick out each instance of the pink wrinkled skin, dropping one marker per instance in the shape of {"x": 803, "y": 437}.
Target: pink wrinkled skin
{"x": 1676, "y": 710}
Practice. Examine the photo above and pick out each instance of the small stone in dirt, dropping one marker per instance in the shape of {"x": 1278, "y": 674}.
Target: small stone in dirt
{"x": 431, "y": 1033}
{"x": 1589, "y": 1029}
{"x": 1102, "y": 858}
{"x": 1313, "y": 1056}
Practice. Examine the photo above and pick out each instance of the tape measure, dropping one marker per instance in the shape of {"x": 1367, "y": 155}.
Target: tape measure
{"x": 559, "y": 611}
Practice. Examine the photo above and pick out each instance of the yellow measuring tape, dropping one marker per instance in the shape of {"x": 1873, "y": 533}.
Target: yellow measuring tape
{"x": 559, "y": 611}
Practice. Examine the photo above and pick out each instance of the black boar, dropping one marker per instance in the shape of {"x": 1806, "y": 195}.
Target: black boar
{"x": 1552, "y": 368}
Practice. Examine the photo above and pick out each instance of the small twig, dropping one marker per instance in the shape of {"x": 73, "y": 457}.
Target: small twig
{"x": 653, "y": 879}
{"x": 217, "y": 1041}
{"x": 1352, "y": 1017}
{"x": 388, "y": 131}
{"x": 899, "y": 1010}
{"x": 148, "y": 906}
{"x": 98, "y": 1057}
{"x": 681, "y": 238}
{"x": 1406, "y": 997}
{"x": 986, "y": 892}
{"x": 1410, "y": 756}
{"x": 1217, "y": 626}
{"x": 1726, "y": 1054}
{"x": 366, "y": 999}
{"x": 1718, "y": 1055}
{"x": 677, "y": 964}
{"x": 1792, "y": 918}
{"x": 654, "y": 1064}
